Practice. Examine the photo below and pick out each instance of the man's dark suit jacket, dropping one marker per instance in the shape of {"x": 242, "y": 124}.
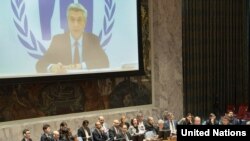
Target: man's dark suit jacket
{"x": 46, "y": 138}
{"x": 81, "y": 133}
{"x": 99, "y": 136}
{"x": 149, "y": 127}
{"x": 60, "y": 51}
{"x": 122, "y": 137}
{"x": 113, "y": 134}
{"x": 25, "y": 140}
{"x": 167, "y": 124}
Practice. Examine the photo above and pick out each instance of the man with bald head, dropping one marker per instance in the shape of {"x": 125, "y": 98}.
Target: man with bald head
{"x": 149, "y": 125}
{"x": 56, "y": 136}
{"x": 115, "y": 131}
{"x": 98, "y": 133}
{"x": 105, "y": 126}
{"x": 197, "y": 120}
{"x": 150, "y": 128}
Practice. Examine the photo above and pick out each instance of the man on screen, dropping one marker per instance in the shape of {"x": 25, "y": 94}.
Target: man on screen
{"x": 73, "y": 50}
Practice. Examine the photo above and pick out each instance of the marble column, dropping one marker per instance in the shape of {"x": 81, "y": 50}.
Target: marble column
{"x": 167, "y": 53}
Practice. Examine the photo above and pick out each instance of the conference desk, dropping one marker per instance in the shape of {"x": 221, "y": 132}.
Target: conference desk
{"x": 171, "y": 139}
{"x": 156, "y": 139}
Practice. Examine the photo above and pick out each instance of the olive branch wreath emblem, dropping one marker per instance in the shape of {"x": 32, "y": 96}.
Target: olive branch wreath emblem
{"x": 34, "y": 46}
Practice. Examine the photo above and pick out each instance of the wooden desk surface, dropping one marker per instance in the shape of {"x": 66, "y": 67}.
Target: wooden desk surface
{"x": 157, "y": 139}
{"x": 171, "y": 139}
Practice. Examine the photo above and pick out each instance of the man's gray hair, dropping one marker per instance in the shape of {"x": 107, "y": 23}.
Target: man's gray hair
{"x": 77, "y": 7}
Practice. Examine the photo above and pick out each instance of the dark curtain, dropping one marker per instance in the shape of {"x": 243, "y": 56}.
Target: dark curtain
{"x": 215, "y": 55}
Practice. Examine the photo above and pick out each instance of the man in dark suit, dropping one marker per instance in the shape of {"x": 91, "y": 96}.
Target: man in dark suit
{"x": 26, "y": 135}
{"x": 74, "y": 49}
{"x": 84, "y": 131}
{"x": 46, "y": 136}
{"x": 98, "y": 133}
{"x": 149, "y": 125}
{"x": 170, "y": 123}
{"x": 115, "y": 131}
{"x": 125, "y": 136}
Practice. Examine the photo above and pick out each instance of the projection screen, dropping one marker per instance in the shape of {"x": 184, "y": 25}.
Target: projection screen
{"x": 64, "y": 37}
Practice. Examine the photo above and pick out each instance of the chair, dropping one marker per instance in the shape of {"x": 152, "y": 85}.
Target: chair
{"x": 243, "y": 113}
{"x": 230, "y": 107}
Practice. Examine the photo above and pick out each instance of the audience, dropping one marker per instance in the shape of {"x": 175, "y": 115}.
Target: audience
{"x": 138, "y": 130}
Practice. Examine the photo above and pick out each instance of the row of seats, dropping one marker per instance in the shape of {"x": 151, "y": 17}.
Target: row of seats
{"x": 242, "y": 113}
